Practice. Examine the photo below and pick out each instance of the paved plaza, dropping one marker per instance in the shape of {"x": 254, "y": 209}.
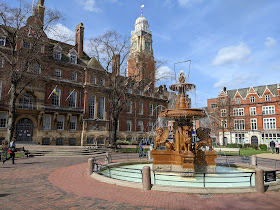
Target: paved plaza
{"x": 62, "y": 183}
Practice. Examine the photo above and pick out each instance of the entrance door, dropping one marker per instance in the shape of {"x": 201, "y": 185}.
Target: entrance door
{"x": 254, "y": 140}
{"x": 24, "y": 130}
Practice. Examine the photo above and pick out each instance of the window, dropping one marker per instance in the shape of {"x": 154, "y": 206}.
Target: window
{"x": 151, "y": 126}
{"x": 47, "y": 122}
{"x": 151, "y": 109}
{"x": 253, "y": 111}
{"x": 223, "y": 112}
{"x": 73, "y": 59}
{"x": 101, "y": 108}
{"x": 42, "y": 49}
{"x": 268, "y": 110}
{"x": 151, "y": 94}
{"x": 223, "y": 101}
{"x": 252, "y": 99}
{"x": 140, "y": 107}
{"x": 26, "y": 101}
{"x": 60, "y": 122}
{"x": 2, "y": 41}
{"x": 140, "y": 126}
{"x": 254, "y": 124}
{"x": 239, "y": 138}
{"x": 36, "y": 68}
{"x": 91, "y": 107}
{"x": 56, "y": 98}
{"x": 3, "y": 119}
{"x": 129, "y": 90}
{"x": 140, "y": 92}
{"x": 238, "y": 112}
{"x": 224, "y": 123}
{"x": 57, "y": 72}
{"x": 239, "y": 125}
{"x": 213, "y": 106}
{"x": 102, "y": 81}
{"x": 57, "y": 55}
{"x": 129, "y": 107}
{"x": 237, "y": 100}
{"x": 269, "y": 123}
{"x": 128, "y": 125}
{"x": 73, "y": 99}
{"x": 24, "y": 66}
{"x": 101, "y": 141}
{"x": 73, "y": 76}
{"x": 93, "y": 80}
{"x": 73, "y": 123}
{"x": 159, "y": 108}
{"x": 160, "y": 96}
{"x": 26, "y": 45}
{"x": 267, "y": 98}
{"x": 0, "y": 90}
{"x": 1, "y": 62}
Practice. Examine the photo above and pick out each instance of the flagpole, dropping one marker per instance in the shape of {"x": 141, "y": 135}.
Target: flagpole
{"x": 52, "y": 92}
{"x": 69, "y": 95}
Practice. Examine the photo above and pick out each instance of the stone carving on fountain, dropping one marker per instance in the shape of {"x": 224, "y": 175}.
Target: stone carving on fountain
{"x": 181, "y": 155}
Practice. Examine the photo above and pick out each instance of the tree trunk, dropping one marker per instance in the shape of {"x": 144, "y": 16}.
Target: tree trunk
{"x": 12, "y": 113}
{"x": 115, "y": 126}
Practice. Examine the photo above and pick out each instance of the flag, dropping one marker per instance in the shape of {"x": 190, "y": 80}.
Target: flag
{"x": 53, "y": 91}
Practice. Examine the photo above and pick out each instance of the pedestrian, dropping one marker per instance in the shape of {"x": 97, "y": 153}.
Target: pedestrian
{"x": 12, "y": 150}
{"x": 272, "y": 146}
{"x": 277, "y": 147}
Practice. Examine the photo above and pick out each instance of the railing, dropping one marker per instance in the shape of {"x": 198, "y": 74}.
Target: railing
{"x": 269, "y": 163}
{"x": 101, "y": 162}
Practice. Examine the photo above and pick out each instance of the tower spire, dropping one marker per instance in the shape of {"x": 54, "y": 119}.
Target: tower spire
{"x": 142, "y": 6}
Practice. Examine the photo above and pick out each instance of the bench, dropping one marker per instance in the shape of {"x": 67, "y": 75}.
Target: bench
{"x": 26, "y": 152}
{"x": 227, "y": 150}
{"x": 245, "y": 159}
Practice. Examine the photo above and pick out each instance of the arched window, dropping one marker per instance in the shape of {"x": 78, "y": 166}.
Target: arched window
{"x": 26, "y": 101}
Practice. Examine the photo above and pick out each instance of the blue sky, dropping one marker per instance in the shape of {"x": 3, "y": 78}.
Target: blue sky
{"x": 232, "y": 43}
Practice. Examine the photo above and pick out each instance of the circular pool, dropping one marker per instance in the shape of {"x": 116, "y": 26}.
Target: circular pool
{"x": 226, "y": 177}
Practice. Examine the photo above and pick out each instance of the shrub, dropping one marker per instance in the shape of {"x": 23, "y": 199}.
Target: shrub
{"x": 246, "y": 145}
{"x": 122, "y": 142}
{"x": 134, "y": 143}
{"x": 232, "y": 146}
{"x": 263, "y": 147}
{"x": 239, "y": 146}
{"x": 254, "y": 146}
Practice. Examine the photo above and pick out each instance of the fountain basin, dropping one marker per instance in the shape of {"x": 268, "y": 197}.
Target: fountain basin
{"x": 226, "y": 177}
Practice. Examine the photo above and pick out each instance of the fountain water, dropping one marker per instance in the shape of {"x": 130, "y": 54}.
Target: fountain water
{"x": 180, "y": 155}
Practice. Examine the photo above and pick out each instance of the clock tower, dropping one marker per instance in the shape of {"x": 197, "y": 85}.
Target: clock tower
{"x": 141, "y": 63}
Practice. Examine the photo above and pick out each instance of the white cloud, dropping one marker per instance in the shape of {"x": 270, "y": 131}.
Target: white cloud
{"x": 164, "y": 73}
{"x": 61, "y": 33}
{"x": 89, "y": 5}
{"x": 188, "y": 3}
{"x": 270, "y": 42}
{"x": 237, "y": 81}
{"x": 232, "y": 54}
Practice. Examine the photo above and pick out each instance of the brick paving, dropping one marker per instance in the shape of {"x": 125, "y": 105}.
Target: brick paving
{"x": 62, "y": 183}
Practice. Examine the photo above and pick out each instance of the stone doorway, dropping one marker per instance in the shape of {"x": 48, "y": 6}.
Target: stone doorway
{"x": 254, "y": 140}
{"x": 24, "y": 130}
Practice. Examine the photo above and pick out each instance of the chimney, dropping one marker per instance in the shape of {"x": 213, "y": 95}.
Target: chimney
{"x": 40, "y": 10}
{"x": 80, "y": 39}
{"x": 116, "y": 65}
{"x": 278, "y": 89}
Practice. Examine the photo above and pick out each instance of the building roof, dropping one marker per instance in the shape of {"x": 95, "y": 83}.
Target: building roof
{"x": 258, "y": 89}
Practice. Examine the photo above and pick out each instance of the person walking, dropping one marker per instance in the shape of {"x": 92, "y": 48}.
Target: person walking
{"x": 277, "y": 147}
{"x": 272, "y": 146}
{"x": 12, "y": 150}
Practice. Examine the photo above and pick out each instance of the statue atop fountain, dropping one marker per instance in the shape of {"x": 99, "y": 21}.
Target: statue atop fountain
{"x": 181, "y": 155}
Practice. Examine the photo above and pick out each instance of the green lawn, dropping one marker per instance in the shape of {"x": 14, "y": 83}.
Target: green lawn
{"x": 130, "y": 150}
{"x": 246, "y": 152}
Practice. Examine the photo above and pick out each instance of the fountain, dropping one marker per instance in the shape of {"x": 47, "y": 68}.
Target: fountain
{"x": 181, "y": 155}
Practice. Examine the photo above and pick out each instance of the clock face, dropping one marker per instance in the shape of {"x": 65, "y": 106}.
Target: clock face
{"x": 133, "y": 45}
{"x": 148, "y": 45}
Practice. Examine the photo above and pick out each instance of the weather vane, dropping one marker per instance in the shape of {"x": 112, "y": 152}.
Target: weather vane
{"x": 142, "y": 6}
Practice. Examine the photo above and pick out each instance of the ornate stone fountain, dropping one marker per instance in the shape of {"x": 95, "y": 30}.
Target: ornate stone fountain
{"x": 183, "y": 155}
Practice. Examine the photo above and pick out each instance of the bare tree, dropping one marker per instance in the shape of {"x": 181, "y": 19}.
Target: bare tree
{"x": 25, "y": 39}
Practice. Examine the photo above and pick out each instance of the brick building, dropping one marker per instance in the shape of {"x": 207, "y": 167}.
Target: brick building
{"x": 248, "y": 115}
{"x": 67, "y": 101}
